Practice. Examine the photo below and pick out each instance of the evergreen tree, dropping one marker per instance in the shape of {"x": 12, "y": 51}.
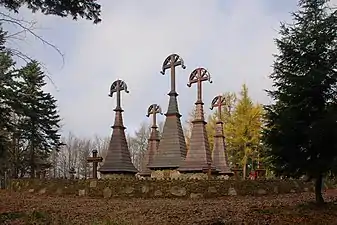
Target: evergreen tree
{"x": 7, "y": 97}
{"x": 301, "y": 125}
{"x": 40, "y": 118}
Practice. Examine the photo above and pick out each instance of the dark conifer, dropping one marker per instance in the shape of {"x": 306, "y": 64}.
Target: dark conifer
{"x": 302, "y": 122}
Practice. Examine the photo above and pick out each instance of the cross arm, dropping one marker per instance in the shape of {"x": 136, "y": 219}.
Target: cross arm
{"x": 94, "y": 159}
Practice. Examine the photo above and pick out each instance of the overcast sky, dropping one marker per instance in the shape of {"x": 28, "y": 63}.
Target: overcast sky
{"x": 232, "y": 39}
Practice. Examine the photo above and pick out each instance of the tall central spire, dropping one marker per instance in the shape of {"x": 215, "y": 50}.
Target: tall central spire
{"x": 118, "y": 160}
{"x": 172, "y": 146}
{"x": 198, "y": 159}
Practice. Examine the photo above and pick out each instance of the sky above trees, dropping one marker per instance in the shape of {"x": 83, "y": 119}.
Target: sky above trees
{"x": 232, "y": 39}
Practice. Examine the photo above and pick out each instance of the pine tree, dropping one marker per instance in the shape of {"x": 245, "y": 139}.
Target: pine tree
{"x": 7, "y": 96}
{"x": 302, "y": 123}
{"x": 40, "y": 118}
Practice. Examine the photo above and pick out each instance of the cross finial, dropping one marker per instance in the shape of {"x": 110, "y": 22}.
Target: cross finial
{"x": 218, "y": 102}
{"x": 198, "y": 76}
{"x": 154, "y": 109}
{"x": 117, "y": 87}
{"x": 171, "y": 62}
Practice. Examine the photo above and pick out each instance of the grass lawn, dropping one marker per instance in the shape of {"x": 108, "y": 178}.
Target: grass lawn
{"x": 18, "y": 208}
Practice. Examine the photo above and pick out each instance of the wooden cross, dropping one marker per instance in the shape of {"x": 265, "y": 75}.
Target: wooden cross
{"x": 198, "y": 76}
{"x": 117, "y": 87}
{"x": 72, "y": 172}
{"x": 218, "y": 102}
{"x": 171, "y": 62}
{"x": 94, "y": 160}
{"x": 154, "y": 109}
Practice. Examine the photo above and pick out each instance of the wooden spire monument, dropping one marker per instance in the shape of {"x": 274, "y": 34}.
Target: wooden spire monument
{"x": 219, "y": 154}
{"x": 153, "y": 141}
{"x": 118, "y": 160}
{"x": 172, "y": 146}
{"x": 198, "y": 161}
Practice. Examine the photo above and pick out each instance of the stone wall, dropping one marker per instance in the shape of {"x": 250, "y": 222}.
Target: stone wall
{"x": 150, "y": 188}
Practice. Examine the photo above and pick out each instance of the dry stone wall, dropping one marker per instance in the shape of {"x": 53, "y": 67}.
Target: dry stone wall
{"x": 149, "y": 188}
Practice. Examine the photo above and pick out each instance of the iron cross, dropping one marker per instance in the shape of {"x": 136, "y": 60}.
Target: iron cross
{"x": 117, "y": 87}
{"x": 198, "y": 76}
{"x": 218, "y": 102}
{"x": 94, "y": 160}
{"x": 171, "y": 62}
{"x": 154, "y": 109}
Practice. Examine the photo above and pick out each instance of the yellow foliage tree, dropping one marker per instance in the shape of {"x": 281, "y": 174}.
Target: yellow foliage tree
{"x": 245, "y": 131}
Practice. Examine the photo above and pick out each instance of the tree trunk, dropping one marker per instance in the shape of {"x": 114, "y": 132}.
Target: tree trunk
{"x": 318, "y": 189}
{"x": 244, "y": 170}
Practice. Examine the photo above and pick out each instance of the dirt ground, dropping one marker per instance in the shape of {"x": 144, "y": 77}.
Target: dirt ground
{"x": 16, "y": 208}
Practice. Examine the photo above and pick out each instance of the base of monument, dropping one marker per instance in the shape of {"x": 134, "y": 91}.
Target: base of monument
{"x": 107, "y": 176}
{"x": 163, "y": 174}
{"x": 195, "y": 176}
{"x": 223, "y": 176}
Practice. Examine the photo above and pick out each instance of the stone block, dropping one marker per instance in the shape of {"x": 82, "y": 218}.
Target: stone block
{"x": 178, "y": 191}
{"x": 158, "y": 193}
{"x": 93, "y": 184}
{"x": 107, "y": 192}
{"x": 223, "y": 177}
{"x": 128, "y": 190}
{"x": 196, "y": 195}
{"x": 145, "y": 189}
{"x": 212, "y": 190}
{"x": 232, "y": 191}
{"x": 81, "y": 192}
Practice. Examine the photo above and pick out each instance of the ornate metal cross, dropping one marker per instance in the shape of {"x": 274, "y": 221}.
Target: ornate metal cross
{"x": 218, "y": 102}
{"x": 198, "y": 76}
{"x": 94, "y": 160}
{"x": 117, "y": 87}
{"x": 171, "y": 62}
{"x": 154, "y": 109}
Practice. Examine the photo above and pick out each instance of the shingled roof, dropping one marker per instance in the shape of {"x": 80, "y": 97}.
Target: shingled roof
{"x": 118, "y": 158}
{"x": 198, "y": 157}
{"x": 219, "y": 153}
{"x": 152, "y": 148}
{"x": 172, "y": 146}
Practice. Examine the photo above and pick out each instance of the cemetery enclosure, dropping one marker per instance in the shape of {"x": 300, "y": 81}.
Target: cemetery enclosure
{"x": 167, "y": 188}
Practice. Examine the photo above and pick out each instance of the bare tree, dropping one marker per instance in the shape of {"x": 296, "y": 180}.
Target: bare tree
{"x": 84, "y": 149}
{"x": 69, "y": 155}
{"x": 138, "y": 144}
{"x": 187, "y": 128}
{"x": 21, "y": 30}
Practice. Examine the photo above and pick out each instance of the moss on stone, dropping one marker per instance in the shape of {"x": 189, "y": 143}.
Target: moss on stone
{"x": 164, "y": 188}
